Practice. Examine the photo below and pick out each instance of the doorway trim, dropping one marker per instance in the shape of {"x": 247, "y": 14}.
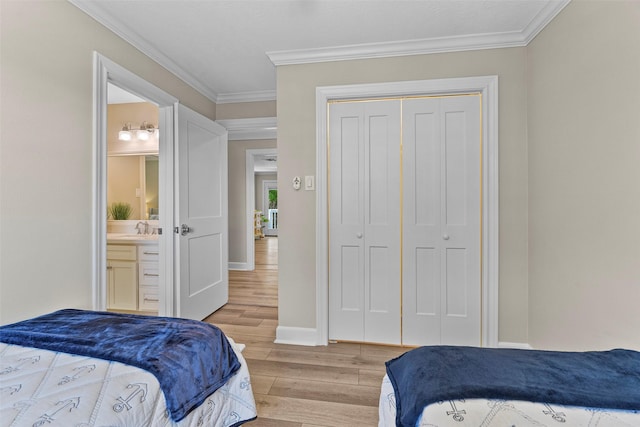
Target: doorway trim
{"x": 485, "y": 85}
{"x": 266, "y": 186}
{"x": 256, "y": 128}
{"x": 106, "y": 71}
{"x": 250, "y": 200}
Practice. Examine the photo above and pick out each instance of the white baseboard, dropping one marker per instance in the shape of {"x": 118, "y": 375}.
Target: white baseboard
{"x": 520, "y": 345}
{"x": 296, "y": 336}
{"x": 239, "y": 266}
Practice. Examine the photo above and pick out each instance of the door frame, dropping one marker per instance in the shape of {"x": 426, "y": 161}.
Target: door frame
{"x": 251, "y": 129}
{"x": 487, "y": 86}
{"x": 106, "y": 71}
{"x": 250, "y": 201}
{"x": 267, "y": 185}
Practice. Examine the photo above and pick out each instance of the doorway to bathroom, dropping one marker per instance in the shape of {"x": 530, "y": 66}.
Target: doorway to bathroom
{"x": 132, "y": 265}
{"x": 192, "y": 212}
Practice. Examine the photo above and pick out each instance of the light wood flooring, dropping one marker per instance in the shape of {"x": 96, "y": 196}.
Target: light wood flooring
{"x": 298, "y": 386}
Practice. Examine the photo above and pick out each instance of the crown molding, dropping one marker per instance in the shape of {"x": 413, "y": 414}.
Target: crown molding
{"x": 340, "y": 53}
{"x": 263, "y": 95}
{"x": 254, "y": 128}
{"x": 96, "y": 11}
{"x": 546, "y": 15}
{"x": 397, "y": 48}
{"x": 422, "y": 46}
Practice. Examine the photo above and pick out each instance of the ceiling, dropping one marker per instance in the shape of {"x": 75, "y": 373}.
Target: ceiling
{"x": 228, "y": 49}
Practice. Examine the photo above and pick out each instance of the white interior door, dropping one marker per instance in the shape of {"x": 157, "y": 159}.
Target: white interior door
{"x": 364, "y": 222}
{"x": 441, "y": 224}
{"x": 202, "y": 278}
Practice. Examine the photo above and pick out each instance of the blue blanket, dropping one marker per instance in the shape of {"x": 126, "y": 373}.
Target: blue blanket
{"x": 190, "y": 359}
{"x": 607, "y": 379}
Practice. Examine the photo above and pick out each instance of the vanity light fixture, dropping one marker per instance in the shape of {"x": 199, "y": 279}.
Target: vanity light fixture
{"x": 125, "y": 133}
{"x": 142, "y": 133}
{"x": 146, "y": 129}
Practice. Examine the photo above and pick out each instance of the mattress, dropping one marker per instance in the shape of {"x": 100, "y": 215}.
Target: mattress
{"x": 41, "y": 387}
{"x": 500, "y": 413}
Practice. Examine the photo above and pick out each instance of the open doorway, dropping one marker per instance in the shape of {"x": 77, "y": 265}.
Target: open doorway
{"x": 258, "y": 169}
{"x": 108, "y": 74}
{"x": 270, "y": 206}
{"x": 132, "y": 264}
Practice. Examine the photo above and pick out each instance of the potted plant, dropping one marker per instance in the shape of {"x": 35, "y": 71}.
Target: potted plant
{"x": 120, "y": 211}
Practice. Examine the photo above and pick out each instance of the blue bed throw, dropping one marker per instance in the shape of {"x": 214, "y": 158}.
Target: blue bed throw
{"x": 190, "y": 359}
{"x": 597, "y": 379}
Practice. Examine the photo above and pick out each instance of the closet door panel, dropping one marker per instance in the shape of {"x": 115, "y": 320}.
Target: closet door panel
{"x": 346, "y": 222}
{"x": 455, "y": 162}
{"x": 461, "y": 207}
{"x": 421, "y": 222}
{"x": 441, "y": 222}
{"x": 382, "y": 222}
{"x": 427, "y": 298}
{"x": 455, "y": 303}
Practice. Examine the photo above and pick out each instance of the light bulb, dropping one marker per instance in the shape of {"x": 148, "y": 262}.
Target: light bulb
{"x": 124, "y": 135}
{"x": 142, "y": 135}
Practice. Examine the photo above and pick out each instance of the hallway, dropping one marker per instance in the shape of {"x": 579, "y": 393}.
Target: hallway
{"x": 298, "y": 386}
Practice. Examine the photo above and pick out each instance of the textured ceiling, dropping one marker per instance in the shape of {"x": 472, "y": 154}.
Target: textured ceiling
{"x": 226, "y": 49}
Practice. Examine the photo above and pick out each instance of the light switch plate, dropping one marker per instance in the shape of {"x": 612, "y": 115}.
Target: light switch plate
{"x": 309, "y": 183}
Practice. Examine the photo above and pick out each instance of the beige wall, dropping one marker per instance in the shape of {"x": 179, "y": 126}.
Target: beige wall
{"x": 237, "y": 196}
{"x": 296, "y": 146}
{"x": 46, "y": 151}
{"x": 584, "y": 178}
{"x": 246, "y": 110}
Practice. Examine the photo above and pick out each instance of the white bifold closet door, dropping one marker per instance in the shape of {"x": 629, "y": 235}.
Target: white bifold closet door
{"x": 441, "y": 298}
{"x": 364, "y": 228}
{"x": 404, "y": 221}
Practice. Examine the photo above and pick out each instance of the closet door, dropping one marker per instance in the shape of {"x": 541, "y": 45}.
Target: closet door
{"x": 364, "y": 221}
{"x": 441, "y": 221}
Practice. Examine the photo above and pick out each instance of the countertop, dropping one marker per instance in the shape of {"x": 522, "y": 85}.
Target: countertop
{"x": 137, "y": 239}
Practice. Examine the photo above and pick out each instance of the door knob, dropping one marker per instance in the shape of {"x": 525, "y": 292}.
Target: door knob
{"x": 359, "y": 235}
{"x": 445, "y": 237}
{"x": 183, "y": 230}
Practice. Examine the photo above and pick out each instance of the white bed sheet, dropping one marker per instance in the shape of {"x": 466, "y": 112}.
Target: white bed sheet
{"x": 45, "y": 388}
{"x": 501, "y": 413}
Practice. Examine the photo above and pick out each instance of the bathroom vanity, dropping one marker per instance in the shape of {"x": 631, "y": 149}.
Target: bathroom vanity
{"x": 132, "y": 272}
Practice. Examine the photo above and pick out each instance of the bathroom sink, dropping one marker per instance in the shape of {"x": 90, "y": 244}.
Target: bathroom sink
{"x": 124, "y": 236}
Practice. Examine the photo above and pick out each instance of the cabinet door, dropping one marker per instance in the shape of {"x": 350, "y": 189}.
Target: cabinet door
{"x": 123, "y": 285}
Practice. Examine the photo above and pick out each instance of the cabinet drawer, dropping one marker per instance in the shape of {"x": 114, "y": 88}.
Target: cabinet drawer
{"x": 148, "y": 253}
{"x": 121, "y": 252}
{"x": 148, "y": 273}
{"x": 148, "y": 299}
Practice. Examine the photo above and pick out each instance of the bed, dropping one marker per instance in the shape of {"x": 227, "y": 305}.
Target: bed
{"x": 470, "y": 386}
{"x": 86, "y": 368}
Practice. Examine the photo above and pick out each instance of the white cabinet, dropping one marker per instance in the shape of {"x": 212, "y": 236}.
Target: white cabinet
{"x": 122, "y": 277}
{"x": 148, "y": 273}
{"x": 132, "y": 276}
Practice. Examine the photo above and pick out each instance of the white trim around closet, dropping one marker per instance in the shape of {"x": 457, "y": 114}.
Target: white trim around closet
{"x": 485, "y": 85}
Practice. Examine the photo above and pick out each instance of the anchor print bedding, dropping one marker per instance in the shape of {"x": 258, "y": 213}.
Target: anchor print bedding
{"x": 500, "y": 413}
{"x": 46, "y": 388}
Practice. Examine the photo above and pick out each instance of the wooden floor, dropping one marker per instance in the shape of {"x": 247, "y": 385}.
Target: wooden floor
{"x": 296, "y": 386}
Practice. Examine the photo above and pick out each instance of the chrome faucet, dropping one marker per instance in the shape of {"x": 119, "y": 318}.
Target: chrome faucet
{"x": 145, "y": 225}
